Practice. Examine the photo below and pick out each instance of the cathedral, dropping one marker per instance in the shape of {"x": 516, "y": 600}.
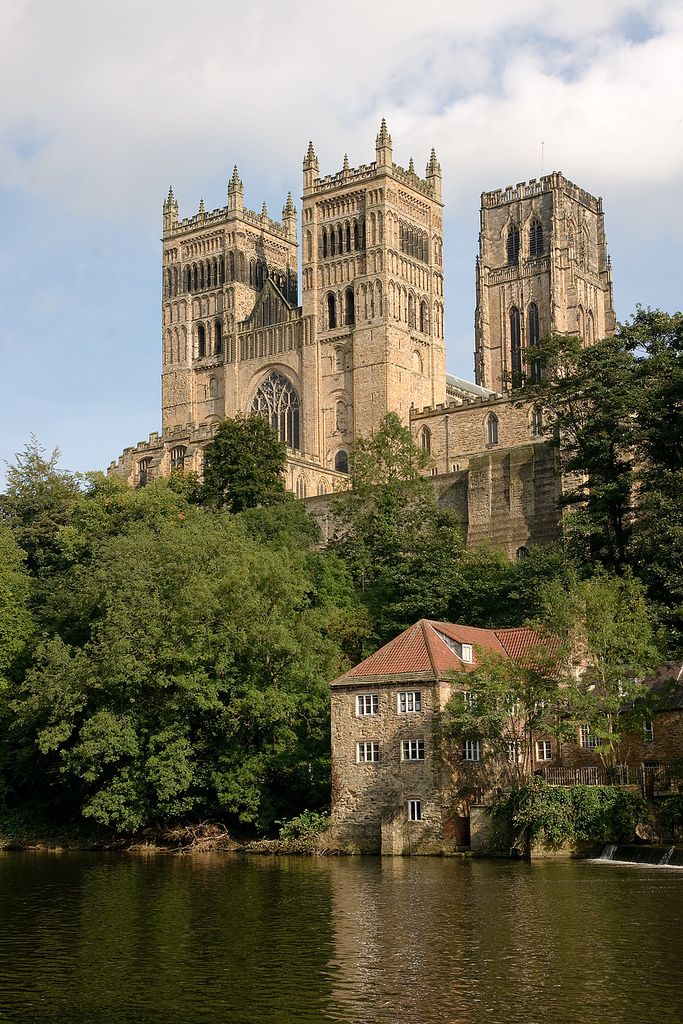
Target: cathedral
{"x": 368, "y": 336}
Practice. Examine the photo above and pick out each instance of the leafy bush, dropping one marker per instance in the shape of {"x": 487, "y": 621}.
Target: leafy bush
{"x": 554, "y": 815}
{"x": 306, "y": 824}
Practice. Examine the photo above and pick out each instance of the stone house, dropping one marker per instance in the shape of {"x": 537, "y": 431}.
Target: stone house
{"x": 395, "y": 787}
{"x": 399, "y": 787}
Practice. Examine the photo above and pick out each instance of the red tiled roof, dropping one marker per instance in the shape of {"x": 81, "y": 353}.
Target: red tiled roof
{"x": 423, "y": 651}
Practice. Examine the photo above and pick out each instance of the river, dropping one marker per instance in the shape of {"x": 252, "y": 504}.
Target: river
{"x": 226, "y": 938}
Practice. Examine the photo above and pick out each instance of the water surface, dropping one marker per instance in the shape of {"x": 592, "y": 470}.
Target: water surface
{"x": 130, "y": 938}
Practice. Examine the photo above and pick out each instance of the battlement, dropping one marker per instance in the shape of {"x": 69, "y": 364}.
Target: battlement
{"x": 202, "y": 219}
{"x": 454, "y": 406}
{"x": 534, "y": 187}
{"x": 365, "y": 172}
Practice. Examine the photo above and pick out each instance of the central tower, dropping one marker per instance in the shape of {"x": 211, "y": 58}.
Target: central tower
{"x": 372, "y": 287}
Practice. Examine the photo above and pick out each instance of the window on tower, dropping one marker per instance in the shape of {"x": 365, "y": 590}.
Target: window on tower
{"x": 513, "y": 244}
{"x": 534, "y": 337}
{"x": 331, "y": 311}
{"x": 350, "y": 307}
{"x": 201, "y": 341}
{"x": 515, "y": 347}
{"x": 535, "y": 239}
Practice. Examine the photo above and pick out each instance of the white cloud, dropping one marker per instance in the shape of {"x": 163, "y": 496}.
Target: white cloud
{"x": 111, "y": 100}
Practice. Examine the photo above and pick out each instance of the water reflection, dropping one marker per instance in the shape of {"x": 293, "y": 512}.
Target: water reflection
{"x": 119, "y": 939}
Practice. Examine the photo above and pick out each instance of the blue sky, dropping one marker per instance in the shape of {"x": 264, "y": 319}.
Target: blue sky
{"x": 106, "y": 103}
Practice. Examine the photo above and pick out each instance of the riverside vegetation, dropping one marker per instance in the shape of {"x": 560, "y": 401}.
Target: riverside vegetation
{"x": 165, "y": 652}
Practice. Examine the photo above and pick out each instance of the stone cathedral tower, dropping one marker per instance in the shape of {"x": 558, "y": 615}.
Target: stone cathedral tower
{"x": 372, "y": 287}
{"x": 542, "y": 269}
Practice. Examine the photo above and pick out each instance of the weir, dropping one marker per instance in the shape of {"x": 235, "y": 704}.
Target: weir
{"x": 651, "y": 856}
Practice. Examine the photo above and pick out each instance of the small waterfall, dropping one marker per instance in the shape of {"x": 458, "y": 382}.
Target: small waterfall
{"x": 646, "y": 855}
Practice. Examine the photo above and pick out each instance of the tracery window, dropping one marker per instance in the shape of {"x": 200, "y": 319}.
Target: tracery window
{"x": 144, "y": 472}
{"x": 426, "y": 440}
{"x": 515, "y": 347}
{"x": 535, "y": 239}
{"x": 534, "y": 336}
{"x": 513, "y": 244}
{"x": 491, "y": 431}
{"x": 341, "y": 461}
{"x": 178, "y": 458}
{"x": 277, "y": 400}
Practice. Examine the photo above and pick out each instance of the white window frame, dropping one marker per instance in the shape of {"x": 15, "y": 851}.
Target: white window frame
{"x": 413, "y": 750}
{"x": 470, "y": 700}
{"x": 544, "y": 750}
{"x": 648, "y": 732}
{"x": 589, "y": 740}
{"x": 365, "y": 701}
{"x": 415, "y": 810}
{"x": 408, "y": 702}
{"x": 471, "y": 750}
{"x": 367, "y": 752}
{"x": 514, "y": 752}
{"x": 466, "y": 655}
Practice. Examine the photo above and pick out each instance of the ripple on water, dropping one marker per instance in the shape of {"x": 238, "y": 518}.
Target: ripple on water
{"x": 117, "y": 938}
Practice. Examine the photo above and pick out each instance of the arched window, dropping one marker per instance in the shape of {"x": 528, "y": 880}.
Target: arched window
{"x": 348, "y": 238}
{"x": 178, "y": 458}
{"x": 515, "y": 347}
{"x": 513, "y": 244}
{"x": 301, "y": 487}
{"x": 356, "y": 236}
{"x": 322, "y": 487}
{"x": 340, "y": 246}
{"x": 536, "y": 423}
{"x": 339, "y": 359}
{"x": 350, "y": 307}
{"x": 590, "y": 329}
{"x": 535, "y": 238}
{"x": 309, "y": 246}
{"x": 331, "y": 311}
{"x": 491, "y": 431}
{"x": 341, "y": 461}
{"x": 218, "y": 337}
{"x": 277, "y": 400}
{"x": 201, "y": 341}
{"x": 333, "y": 242}
{"x": 324, "y": 243}
{"x": 213, "y": 387}
{"x": 417, "y": 362}
{"x": 340, "y": 417}
{"x": 424, "y": 318}
{"x": 522, "y": 552}
{"x": 533, "y": 336}
{"x": 144, "y": 472}
{"x": 411, "y": 311}
{"x": 426, "y": 440}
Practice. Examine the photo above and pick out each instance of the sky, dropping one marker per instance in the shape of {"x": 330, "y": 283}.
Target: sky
{"x": 105, "y": 103}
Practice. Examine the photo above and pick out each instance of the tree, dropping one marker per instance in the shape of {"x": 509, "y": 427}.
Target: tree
{"x": 504, "y": 703}
{"x": 199, "y": 687}
{"x": 402, "y": 548}
{"x": 656, "y": 549}
{"x": 243, "y": 466}
{"x": 38, "y": 501}
{"x": 609, "y": 641}
{"x": 588, "y": 397}
{"x": 16, "y": 624}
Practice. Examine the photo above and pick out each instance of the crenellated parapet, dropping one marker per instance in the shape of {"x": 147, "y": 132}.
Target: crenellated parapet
{"x": 534, "y": 187}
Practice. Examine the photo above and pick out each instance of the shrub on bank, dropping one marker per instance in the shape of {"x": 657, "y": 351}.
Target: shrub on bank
{"x": 555, "y": 815}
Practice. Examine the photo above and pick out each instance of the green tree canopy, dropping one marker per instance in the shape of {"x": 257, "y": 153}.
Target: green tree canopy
{"x": 402, "y": 548}
{"x": 200, "y": 688}
{"x": 243, "y": 465}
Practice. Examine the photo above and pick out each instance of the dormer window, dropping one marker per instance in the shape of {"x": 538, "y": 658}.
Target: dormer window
{"x": 466, "y": 654}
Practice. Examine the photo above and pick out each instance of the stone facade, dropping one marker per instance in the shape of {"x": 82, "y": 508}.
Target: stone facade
{"x": 399, "y": 787}
{"x": 542, "y": 269}
{"x": 368, "y": 337}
